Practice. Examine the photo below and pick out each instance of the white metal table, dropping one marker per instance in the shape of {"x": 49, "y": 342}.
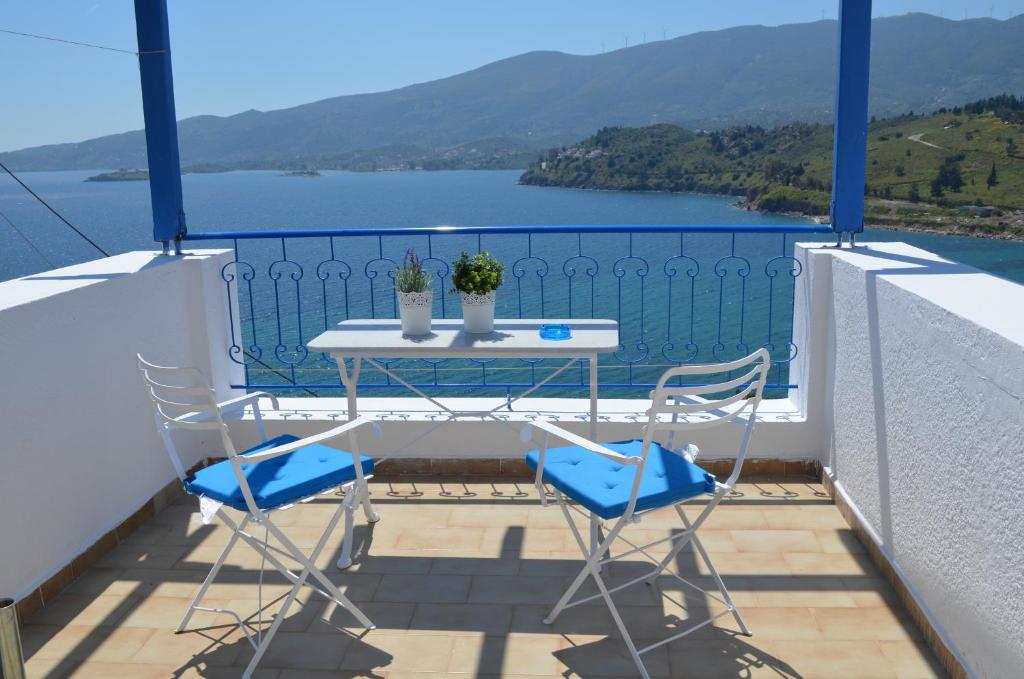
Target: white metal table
{"x": 369, "y": 340}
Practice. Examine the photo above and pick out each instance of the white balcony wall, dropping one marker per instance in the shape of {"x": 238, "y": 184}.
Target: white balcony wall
{"x": 925, "y": 392}
{"x": 80, "y": 450}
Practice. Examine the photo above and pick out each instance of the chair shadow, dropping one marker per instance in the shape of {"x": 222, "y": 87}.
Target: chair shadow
{"x": 722, "y": 654}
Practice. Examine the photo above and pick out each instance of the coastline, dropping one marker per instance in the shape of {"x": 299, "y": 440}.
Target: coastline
{"x": 1005, "y": 227}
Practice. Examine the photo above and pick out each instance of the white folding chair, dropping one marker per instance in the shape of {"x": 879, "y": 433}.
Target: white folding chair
{"x": 273, "y": 476}
{"x": 596, "y": 478}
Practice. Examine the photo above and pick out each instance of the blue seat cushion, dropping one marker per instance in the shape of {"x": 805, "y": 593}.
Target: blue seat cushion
{"x": 604, "y": 486}
{"x": 279, "y": 480}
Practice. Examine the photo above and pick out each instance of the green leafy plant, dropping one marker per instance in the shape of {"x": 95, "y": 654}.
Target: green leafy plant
{"x": 477, "y": 275}
{"x": 411, "y": 277}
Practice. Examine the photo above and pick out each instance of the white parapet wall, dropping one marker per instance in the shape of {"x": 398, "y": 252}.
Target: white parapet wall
{"x": 416, "y": 428}
{"x": 924, "y": 395}
{"x": 80, "y": 451}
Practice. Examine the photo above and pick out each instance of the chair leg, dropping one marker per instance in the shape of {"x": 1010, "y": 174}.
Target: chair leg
{"x": 593, "y": 554}
{"x": 714, "y": 572}
{"x": 213, "y": 571}
{"x": 345, "y": 559}
{"x": 278, "y": 619}
{"x": 309, "y": 565}
{"x": 599, "y": 581}
{"x": 371, "y": 515}
{"x": 308, "y": 568}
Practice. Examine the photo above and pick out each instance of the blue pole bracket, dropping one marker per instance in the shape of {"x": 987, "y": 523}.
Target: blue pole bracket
{"x": 154, "y": 41}
{"x": 849, "y": 151}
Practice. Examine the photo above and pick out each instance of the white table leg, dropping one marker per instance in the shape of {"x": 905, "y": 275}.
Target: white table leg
{"x": 593, "y": 397}
{"x": 350, "y": 381}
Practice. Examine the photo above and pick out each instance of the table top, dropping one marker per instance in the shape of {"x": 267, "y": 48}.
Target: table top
{"x": 512, "y": 338}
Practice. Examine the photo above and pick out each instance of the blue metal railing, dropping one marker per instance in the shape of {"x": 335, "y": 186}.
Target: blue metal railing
{"x": 681, "y": 294}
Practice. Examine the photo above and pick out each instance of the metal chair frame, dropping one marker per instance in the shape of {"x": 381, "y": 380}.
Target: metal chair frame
{"x": 184, "y": 399}
{"x": 699, "y": 413}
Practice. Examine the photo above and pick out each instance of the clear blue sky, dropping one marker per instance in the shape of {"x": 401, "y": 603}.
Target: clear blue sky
{"x": 233, "y": 55}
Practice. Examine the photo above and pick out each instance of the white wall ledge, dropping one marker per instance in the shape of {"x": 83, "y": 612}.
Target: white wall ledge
{"x": 414, "y": 427}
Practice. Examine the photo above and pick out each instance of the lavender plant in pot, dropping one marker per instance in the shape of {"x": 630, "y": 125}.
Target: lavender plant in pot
{"x": 477, "y": 279}
{"x": 415, "y": 298}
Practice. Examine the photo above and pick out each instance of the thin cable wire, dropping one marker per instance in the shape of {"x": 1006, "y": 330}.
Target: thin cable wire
{"x": 57, "y": 214}
{"x": 27, "y": 241}
{"x": 276, "y": 372}
{"x": 79, "y": 44}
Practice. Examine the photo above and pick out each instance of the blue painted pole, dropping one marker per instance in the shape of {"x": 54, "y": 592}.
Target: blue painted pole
{"x": 161, "y": 127}
{"x": 851, "y": 128}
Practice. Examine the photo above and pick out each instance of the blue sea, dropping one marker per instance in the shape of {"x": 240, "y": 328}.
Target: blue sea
{"x": 678, "y": 298}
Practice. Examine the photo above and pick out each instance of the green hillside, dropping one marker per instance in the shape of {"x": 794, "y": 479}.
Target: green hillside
{"x": 926, "y": 169}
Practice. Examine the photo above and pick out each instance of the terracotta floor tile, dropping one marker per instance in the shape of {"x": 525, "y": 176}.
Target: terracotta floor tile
{"x": 800, "y": 591}
{"x": 806, "y": 518}
{"x": 558, "y": 564}
{"x": 391, "y": 564}
{"x": 911, "y": 660}
{"x": 329, "y": 618}
{"x": 775, "y": 541}
{"x": 500, "y": 517}
{"x": 301, "y": 651}
{"x": 748, "y": 564}
{"x": 879, "y": 623}
{"x": 166, "y": 612}
{"x": 218, "y": 647}
{"x": 727, "y": 655}
{"x": 81, "y": 609}
{"x": 831, "y": 659}
{"x": 108, "y": 581}
{"x": 729, "y": 519}
{"x": 461, "y": 563}
{"x": 774, "y": 624}
{"x": 388, "y": 652}
{"x": 442, "y": 539}
{"x": 460, "y": 619}
{"x": 510, "y": 590}
{"x": 608, "y": 656}
{"x": 839, "y": 541}
{"x": 532, "y": 655}
{"x": 829, "y": 564}
{"x": 82, "y": 643}
{"x": 871, "y": 590}
{"x": 105, "y": 670}
{"x": 529, "y": 541}
{"x": 424, "y": 589}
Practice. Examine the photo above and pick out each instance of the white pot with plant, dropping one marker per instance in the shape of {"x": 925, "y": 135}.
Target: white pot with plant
{"x": 415, "y": 298}
{"x": 477, "y": 279}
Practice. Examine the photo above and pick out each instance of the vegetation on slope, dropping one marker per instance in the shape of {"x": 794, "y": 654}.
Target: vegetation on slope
{"x": 921, "y": 168}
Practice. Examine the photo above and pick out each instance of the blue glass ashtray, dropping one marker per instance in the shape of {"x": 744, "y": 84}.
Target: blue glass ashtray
{"x": 555, "y": 331}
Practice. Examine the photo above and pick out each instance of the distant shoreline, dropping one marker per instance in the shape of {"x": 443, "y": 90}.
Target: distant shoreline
{"x": 975, "y": 227}
{"x": 121, "y": 175}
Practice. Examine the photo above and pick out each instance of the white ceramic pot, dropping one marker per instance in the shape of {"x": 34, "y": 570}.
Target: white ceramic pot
{"x": 478, "y": 313}
{"x": 414, "y": 308}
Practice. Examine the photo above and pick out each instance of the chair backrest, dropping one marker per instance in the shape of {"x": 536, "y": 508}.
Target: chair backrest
{"x": 708, "y": 396}
{"x": 183, "y": 399}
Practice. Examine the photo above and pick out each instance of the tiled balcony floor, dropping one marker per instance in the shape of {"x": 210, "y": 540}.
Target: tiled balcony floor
{"x": 457, "y": 576}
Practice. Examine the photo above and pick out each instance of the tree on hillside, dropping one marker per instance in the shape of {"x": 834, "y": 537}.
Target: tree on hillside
{"x": 993, "y": 178}
{"x": 915, "y": 194}
{"x": 948, "y": 177}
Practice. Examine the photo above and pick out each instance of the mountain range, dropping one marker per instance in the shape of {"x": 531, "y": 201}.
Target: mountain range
{"x": 504, "y": 113}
